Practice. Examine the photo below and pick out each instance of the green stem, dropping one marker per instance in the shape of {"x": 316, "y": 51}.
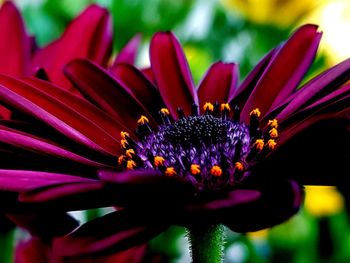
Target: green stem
{"x": 207, "y": 243}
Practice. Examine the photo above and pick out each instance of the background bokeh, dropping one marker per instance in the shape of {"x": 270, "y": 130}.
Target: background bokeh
{"x": 241, "y": 31}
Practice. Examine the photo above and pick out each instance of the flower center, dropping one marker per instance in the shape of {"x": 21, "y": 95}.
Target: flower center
{"x": 211, "y": 150}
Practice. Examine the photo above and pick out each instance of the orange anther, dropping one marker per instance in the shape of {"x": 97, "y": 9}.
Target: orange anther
{"x": 273, "y": 133}
{"x": 259, "y": 144}
{"x": 121, "y": 159}
{"x": 195, "y": 169}
{"x": 225, "y": 106}
{"x": 130, "y": 152}
{"x": 130, "y": 164}
{"x": 208, "y": 106}
{"x": 124, "y": 135}
{"x": 124, "y": 143}
{"x": 271, "y": 144}
{"x": 143, "y": 119}
{"x": 256, "y": 112}
{"x": 158, "y": 160}
{"x": 239, "y": 166}
{"x": 273, "y": 123}
{"x": 170, "y": 171}
{"x": 216, "y": 171}
{"x": 165, "y": 111}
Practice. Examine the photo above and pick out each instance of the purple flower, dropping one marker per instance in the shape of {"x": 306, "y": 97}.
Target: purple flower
{"x": 167, "y": 153}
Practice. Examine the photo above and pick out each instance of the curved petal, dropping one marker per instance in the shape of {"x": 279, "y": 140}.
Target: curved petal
{"x": 56, "y": 114}
{"x": 319, "y": 86}
{"x": 93, "y": 29}
{"x": 128, "y": 53}
{"x": 139, "y": 85}
{"x": 285, "y": 71}
{"x": 172, "y": 73}
{"x": 15, "y": 44}
{"x": 111, "y": 233}
{"x": 241, "y": 94}
{"x": 88, "y": 110}
{"x": 219, "y": 83}
{"x": 106, "y": 92}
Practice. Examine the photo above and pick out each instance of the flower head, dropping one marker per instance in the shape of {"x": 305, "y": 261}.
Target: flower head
{"x": 168, "y": 153}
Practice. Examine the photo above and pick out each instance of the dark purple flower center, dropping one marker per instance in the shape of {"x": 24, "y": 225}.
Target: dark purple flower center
{"x": 210, "y": 150}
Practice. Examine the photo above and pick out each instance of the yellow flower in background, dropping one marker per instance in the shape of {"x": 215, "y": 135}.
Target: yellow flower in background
{"x": 334, "y": 20}
{"x": 282, "y": 13}
{"x": 323, "y": 200}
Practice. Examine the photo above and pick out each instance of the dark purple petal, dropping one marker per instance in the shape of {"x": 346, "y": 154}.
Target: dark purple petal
{"x": 139, "y": 85}
{"x": 88, "y": 36}
{"x": 242, "y": 93}
{"x": 219, "y": 83}
{"x": 149, "y": 74}
{"x": 56, "y": 114}
{"x": 106, "y": 92}
{"x": 321, "y": 85}
{"x": 15, "y": 44}
{"x": 314, "y": 151}
{"x": 110, "y": 233}
{"x": 139, "y": 187}
{"x": 172, "y": 73}
{"x": 277, "y": 203}
{"x": 128, "y": 53}
{"x": 285, "y": 71}
{"x": 45, "y": 223}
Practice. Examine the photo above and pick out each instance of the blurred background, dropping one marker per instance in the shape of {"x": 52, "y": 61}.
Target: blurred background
{"x": 230, "y": 30}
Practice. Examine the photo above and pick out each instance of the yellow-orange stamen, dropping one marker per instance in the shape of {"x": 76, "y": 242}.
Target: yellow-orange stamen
{"x": 130, "y": 164}
{"x": 216, "y": 171}
{"x": 195, "y": 169}
{"x": 121, "y": 159}
{"x": 273, "y": 133}
{"x": 130, "y": 152}
{"x": 158, "y": 160}
{"x": 208, "y": 106}
{"x": 271, "y": 144}
{"x": 239, "y": 166}
{"x": 124, "y": 143}
{"x": 273, "y": 123}
{"x": 124, "y": 135}
{"x": 225, "y": 106}
{"x": 255, "y": 112}
{"x": 170, "y": 171}
{"x": 259, "y": 144}
{"x": 165, "y": 111}
{"x": 143, "y": 119}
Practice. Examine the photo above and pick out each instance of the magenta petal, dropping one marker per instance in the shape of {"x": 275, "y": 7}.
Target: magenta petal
{"x": 319, "y": 86}
{"x": 45, "y": 223}
{"x": 129, "y": 52}
{"x": 219, "y": 83}
{"x": 52, "y": 111}
{"x": 88, "y": 110}
{"x": 172, "y": 73}
{"x": 28, "y": 142}
{"x": 15, "y": 44}
{"x": 106, "y": 92}
{"x": 138, "y": 84}
{"x": 88, "y": 36}
{"x": 241, "y": 94}
{"x": 21, "y": 181}
{"x": 110, "y": 233}
{"x": 285, "y": 71}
